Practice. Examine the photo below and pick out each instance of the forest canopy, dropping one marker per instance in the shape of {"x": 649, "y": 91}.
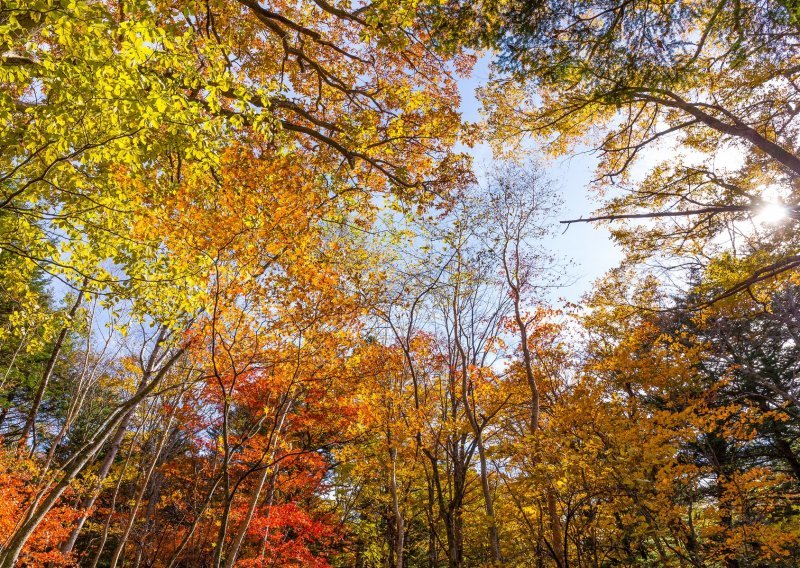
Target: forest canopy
{"x": 260, "y": 304}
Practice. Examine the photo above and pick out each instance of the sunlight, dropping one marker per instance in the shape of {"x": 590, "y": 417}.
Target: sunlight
{"x": 772, "y": 209}
{"x": 772, "y": 214}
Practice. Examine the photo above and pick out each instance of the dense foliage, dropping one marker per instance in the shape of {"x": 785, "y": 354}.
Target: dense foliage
{"x": 257, "y": 308}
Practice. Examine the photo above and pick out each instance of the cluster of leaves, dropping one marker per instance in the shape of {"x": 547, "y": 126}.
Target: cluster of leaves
{"x": 203, "y": 176}
{"x": 630, "y": 431}
{"x": 254, "y": 313}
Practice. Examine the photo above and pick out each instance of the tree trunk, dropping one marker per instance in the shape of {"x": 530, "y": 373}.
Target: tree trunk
{"x": 140, "y": 493}
{"x": 116, "y": 442}
{"x": 556, "y": 531}
{"x": 110, "y": 516}
{"x": 30, "y": 421}
{"x": 273, "y": 446}
{"x": 399, "y": 525}
{"x": 477, "y": 430}
{"x": 11, "y": 552}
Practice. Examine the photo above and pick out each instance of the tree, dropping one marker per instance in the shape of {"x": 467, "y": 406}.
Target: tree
{"x": 711, "y": 83}
{"x": 160, "y": 157}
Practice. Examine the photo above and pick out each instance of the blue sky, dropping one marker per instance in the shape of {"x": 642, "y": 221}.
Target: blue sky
{"x": 589, "y": 246}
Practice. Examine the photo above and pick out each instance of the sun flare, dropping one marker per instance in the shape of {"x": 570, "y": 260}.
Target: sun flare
{"x": 772, "y": 214}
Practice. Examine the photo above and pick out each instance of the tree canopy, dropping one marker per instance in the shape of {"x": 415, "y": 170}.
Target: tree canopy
{"x": 258, "y": 307}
